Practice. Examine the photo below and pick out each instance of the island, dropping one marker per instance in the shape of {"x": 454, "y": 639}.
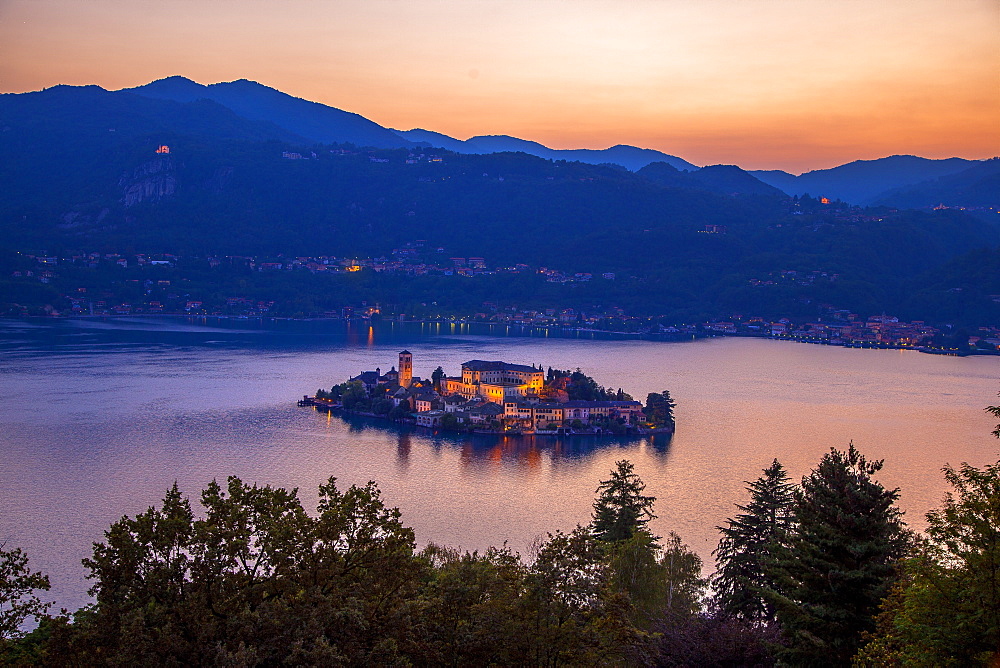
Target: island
{"x": 495, "y": 397}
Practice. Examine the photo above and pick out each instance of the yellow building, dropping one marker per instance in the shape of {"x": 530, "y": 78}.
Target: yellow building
{"x": 495, "y": 381}
{"x": 405, "y": 368}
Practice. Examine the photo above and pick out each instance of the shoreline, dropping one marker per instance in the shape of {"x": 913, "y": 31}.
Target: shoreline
{"x": 324, "y": 406}
{"x": 547, "y": 330}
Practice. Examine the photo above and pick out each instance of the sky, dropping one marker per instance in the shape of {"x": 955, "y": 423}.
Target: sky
{"x": 764, "y": 84}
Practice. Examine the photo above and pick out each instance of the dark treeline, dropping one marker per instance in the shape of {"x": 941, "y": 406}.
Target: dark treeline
{"x": 822, "y": 574}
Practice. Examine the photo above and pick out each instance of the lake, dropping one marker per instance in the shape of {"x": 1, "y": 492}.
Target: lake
{"x": 98, "y": 417}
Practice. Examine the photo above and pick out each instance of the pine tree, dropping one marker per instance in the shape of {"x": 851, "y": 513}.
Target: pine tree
{"x": 744, "y": 552}
{"x": 840, "y": 560}
{"x": 621, "y": 509}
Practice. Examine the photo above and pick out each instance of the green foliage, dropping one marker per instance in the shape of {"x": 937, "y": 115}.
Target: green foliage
{"x": 577, "y": 620}
{"x": 946, "y": 609}
{"x": 685, "y": 585}
{"x": 839, "y": 561}
{"x": 400, "y": 412}
{"x": 18, "y": 600}
{"x": 660, "y": 409}
{"x": 472, "y": 610}
{"x": 437, "y": 376}
{"x": 580, "y": 386}
{"x": 258, "y": 581}
{"x": 658, "y": 582}
{"x": 621, "y": 509}
{"x": 995, "y": 410}
{"x": 353, "y": 395}
{"x": 382, "y": 406}
{"x": 450, "y": 422}
{"x": 743, "y": 557}
{"x": 255, "y": 580}
{"x": 637, "y": 573}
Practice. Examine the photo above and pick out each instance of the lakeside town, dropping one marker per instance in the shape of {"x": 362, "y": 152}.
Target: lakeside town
{"x": 116, "y": 294}
{"x": 495, "y": 397}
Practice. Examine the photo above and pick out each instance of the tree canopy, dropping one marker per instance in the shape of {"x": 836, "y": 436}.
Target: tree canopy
{"x": 945, "y": 611}
{"x": 18, "y": 598}
{"x": 744, "y": 555}
{"x": 839, "y": 561}
{"x": 621, "y": 509}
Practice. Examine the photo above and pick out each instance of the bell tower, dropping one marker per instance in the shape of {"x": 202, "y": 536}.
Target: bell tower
{"x": 405, "y": 368}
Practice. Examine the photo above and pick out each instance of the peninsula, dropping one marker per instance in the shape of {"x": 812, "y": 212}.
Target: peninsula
{"x": 495, "y": 397}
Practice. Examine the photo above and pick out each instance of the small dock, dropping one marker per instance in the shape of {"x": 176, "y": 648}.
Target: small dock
{"x": 322, "y": 405}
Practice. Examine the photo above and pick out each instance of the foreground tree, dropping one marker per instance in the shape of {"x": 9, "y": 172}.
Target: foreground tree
{"x": 578, "y": 619}
{"x": 257, "y": 581}
{"x": 839, "y": 562}
{"x": 946, "y": 609}
{"x": 621, "y": 508}
{"x": 18, "y": 600}
{"x": 995, "y": 410}
{"x": 744, "y": 555}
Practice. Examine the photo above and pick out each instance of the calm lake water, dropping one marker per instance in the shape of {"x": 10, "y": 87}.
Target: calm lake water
{"x": 99, "y": 417}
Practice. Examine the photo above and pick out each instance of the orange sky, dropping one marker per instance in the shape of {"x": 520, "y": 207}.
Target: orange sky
{"x": 765, "y": 84}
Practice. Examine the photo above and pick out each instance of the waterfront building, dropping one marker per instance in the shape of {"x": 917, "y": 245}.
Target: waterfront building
{"x": 495, "y": 381}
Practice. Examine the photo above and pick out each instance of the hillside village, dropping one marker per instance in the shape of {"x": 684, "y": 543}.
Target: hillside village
{"x": 498, "y": 397}
{"x": 160, "y": 284}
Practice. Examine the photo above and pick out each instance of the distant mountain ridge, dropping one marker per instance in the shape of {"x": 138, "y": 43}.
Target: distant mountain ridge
{"x": 863, "y": 181}
{"x": 254, "y": 109}
{"x": 629, "y": 157}
{"x": 258, "y": 102}
{"x": 977, "y": 186}
{"x": 722, "y": 179}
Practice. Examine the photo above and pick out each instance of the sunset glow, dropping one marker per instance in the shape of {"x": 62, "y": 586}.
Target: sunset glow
{"x": 792, "y": 85}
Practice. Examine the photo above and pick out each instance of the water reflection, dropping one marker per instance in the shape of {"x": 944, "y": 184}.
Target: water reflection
{"x": 477, "y": 449}
{"x": 101, "y": 416}
{"x": 403, "y": 445}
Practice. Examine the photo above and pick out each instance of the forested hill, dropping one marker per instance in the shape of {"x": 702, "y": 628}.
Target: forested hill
{"x": 80, "y": 171}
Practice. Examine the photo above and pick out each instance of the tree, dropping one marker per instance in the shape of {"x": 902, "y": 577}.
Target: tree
{"x": 946, "y": 609}
{"x": 685, "y": 585}
{"x": 436, "y": 377}
{"x": 839, "y": 562}
{"x": 18, "y": 600}
{"x": 658, "y": 581}
{"x": 577, "y": 621}
{"x": 660, "y": 409}
{"x": 995, "y": 410}
{"x": 400, "y": 412}
{"x": 743, "y": 556}
{"x": 353, "y": 395}
{"x": 473, "y": 609}
{"x": 621, "y": 509}
{"x": 449, "y": 422}
{"x": 257, "y": 581}
{"x": 382, "y": 406}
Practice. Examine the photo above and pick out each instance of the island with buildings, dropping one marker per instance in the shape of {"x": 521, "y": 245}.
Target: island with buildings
{"x": 494, "y": 397}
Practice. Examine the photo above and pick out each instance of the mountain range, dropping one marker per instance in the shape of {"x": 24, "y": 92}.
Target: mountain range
{"x": 243, "y": 169}
{"x": 858, "y": 182}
